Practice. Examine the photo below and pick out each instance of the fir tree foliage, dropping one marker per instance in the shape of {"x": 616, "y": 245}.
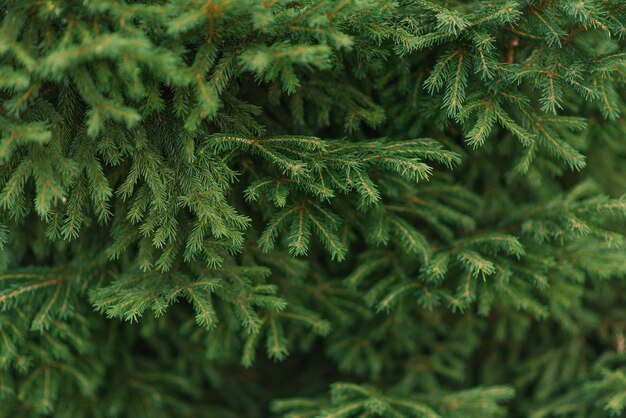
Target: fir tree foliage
{"x": 312, "y": 208}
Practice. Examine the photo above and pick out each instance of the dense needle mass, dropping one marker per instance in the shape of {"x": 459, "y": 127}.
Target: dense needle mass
{"x": 313, "y": 208}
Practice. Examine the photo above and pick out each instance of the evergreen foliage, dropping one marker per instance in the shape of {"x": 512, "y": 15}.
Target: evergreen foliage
{"x": 312, "y": 208}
